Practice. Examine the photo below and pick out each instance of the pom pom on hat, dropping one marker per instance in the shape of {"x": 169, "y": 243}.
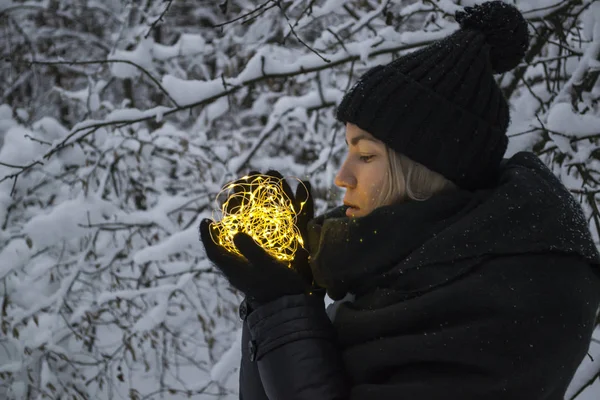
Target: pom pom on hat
{"x": 504, "y": 28}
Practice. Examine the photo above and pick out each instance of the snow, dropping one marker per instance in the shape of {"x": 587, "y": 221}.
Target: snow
{"x": 229, "y": 361}
{"x": 67, "y": 221}
{"x": 6, "y": 121}
{"x": 141, "y": 56}
{"x": 155, "y": 316}
{"x": 538, "y": 8}
{"x": 591, "y": 54}
{"x": 312, "y": 99}
{"x": 162, "y": 52}
{"x": 130, "y": 114}
{"x": 191, "y": 44}
{"x": 187, "y": 45}
{"x": 18, "y": 149}
{"x": 589, "y": 367}
{"x": 186, "y": 92}
{"x": 221, "y": 151}
{"x": 11, "y": 367}
{"x": 328, "y": 7}
{"x": 563, "y": 119}
{"x": 122, "y": 116}
{"x": 175, "y": 243}
{"x": 13, "y": 256}
{"x": 212, "y": 112}
{"x": 94, "y": 102}
{"x": 130, "y": 294}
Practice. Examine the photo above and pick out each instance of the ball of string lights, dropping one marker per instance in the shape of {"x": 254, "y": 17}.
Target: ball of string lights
{"x": 258, "y": 206}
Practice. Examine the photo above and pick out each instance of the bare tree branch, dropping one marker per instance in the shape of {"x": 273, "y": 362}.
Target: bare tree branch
{"x": 256, "y": 10}
{"x": 160, "y": 18}
{"x": 86, "y": 62}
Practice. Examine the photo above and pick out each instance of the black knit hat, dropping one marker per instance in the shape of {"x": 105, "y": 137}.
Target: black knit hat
{"x": 441, "y": 105}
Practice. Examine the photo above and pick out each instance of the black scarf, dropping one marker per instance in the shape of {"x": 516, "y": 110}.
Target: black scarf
{"x": 349, "y": 252}
{"x": 528, "y": 210}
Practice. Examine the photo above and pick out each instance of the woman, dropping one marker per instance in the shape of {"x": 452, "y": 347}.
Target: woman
{"x": 456, "y": 274}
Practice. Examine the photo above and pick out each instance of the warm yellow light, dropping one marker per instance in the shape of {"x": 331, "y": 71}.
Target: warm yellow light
{"x": 259, "y": 206}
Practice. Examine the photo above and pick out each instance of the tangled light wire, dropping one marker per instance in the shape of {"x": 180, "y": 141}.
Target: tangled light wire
{"x": 258, "y": 206}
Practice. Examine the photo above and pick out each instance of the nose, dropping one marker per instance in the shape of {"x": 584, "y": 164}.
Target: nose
{"x": 345, "y": 178}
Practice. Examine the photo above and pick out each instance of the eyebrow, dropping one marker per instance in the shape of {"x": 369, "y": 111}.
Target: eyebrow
{"x": 358, "y": 138}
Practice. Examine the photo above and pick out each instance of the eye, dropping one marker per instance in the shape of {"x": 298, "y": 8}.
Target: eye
{"x": 366, "y": 158}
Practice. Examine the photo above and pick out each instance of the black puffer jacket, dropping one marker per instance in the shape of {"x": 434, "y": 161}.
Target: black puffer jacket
{"x": 486, "y": 295}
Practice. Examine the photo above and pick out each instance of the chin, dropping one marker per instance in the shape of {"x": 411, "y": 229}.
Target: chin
{"x": 355, "y": 212}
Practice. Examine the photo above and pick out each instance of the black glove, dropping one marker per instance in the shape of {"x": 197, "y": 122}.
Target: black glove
{"x": 261, "y": 277}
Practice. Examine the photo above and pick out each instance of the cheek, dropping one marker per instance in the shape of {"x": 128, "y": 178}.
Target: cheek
{"x": 376, "y": 181}
{"x": 377, "y": 188}
{"x": 379, "y": 172}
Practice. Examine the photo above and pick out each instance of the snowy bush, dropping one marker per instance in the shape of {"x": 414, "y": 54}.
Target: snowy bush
{"x": 121, "y": 121}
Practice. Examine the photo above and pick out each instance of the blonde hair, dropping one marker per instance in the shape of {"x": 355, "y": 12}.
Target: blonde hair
{"x": 409, "y": 180}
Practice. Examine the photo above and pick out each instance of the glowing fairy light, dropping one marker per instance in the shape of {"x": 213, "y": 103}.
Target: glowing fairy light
{"x": 258, "y": 205}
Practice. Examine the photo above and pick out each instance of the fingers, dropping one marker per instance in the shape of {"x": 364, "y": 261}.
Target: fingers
{"x": 234, "y": 199}
{"x": 205, "y": 231}
{"x": 255, "y": 254}
{"x": 302, "y": 201}
{"x": 302, "y": 192}
{"x": 303, "y": 195}
{"x": 214, "y": 251}
{"x": 274, "y": 173}
{"x": 211, "y": 248}
{"x": 301, "y": 265}
{"x": 231, "y": 266}
{"x": 240, "y": 187}
{"x": 284, "y": 185}
{"x": 233, "y": 203}
{"x": 252, "y": 180}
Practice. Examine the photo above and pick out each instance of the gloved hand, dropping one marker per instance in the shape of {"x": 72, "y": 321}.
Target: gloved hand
{"x": 261, "y": 277}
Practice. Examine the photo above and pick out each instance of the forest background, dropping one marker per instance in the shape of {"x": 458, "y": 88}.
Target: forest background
{"x": 121, "y": 120}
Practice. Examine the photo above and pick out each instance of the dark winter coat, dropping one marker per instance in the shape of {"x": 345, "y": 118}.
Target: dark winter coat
{"x": 485, "y": 295}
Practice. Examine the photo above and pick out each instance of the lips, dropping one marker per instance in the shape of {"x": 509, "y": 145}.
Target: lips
{"x": 350, "y": 205}
{"x": 352, "y": 209}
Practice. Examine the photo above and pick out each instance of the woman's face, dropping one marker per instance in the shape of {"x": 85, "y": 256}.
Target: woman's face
{"x": 364, "y": 171}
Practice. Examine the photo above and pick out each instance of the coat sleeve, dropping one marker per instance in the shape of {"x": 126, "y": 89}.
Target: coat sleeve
{"x": 251, "y": 387}
{"x": 292, "y": 341}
